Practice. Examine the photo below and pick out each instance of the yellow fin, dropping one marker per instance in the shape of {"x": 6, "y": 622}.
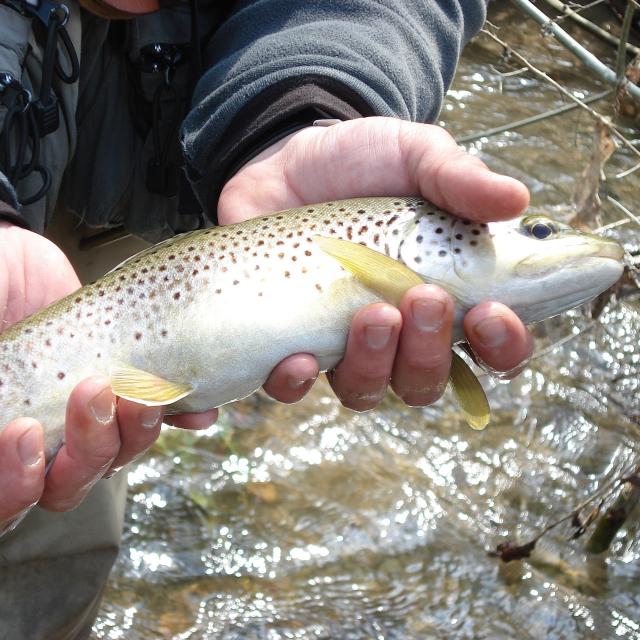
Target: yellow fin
{"x": 384, "y": 275}
{"x": 146, "y": 388}
{"x": 470, "y": 394}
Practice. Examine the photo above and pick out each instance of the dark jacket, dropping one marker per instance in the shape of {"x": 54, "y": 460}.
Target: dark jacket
{"x": 268, "y": 67}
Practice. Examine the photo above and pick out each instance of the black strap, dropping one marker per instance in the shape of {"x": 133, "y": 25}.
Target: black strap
{"x": 26, "y": 120}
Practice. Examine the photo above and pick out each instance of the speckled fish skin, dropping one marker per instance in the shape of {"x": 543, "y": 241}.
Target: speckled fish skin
{"x": 219, "y": 308}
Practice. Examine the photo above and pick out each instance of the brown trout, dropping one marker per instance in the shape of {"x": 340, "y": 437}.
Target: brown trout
{"x": 200, "y": 320}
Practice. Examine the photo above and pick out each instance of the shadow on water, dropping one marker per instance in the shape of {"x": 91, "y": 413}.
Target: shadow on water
{"x": 309, "y": 521}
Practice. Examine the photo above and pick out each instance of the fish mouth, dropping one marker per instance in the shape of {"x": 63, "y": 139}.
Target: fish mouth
{"x": 609, "y": 249}
{"x": 570, "y": 255}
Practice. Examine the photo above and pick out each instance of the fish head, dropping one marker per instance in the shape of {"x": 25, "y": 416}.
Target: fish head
{"x": 537, "y": 266}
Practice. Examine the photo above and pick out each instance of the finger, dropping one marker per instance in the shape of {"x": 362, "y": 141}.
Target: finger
{"x": 21, "y": 468}
{"x": 193, "y": 420}
{"x": 421, "y": 368}
{"x": 361, "y": 379}
{"x": 292, "y": 378}
{"x": 139, "y": 427}
{"x": 497, "y": 336}
{"x": 92, "y": 442}
{"x": 458, "y": 182}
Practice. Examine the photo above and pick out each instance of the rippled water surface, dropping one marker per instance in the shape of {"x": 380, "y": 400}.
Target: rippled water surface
{"x": 310, "y": 521}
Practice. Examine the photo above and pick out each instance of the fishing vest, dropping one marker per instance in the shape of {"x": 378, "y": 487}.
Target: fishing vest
{"x": 90, "y": 111}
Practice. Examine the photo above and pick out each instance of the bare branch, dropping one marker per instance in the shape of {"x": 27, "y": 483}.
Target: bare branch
{"x": 576, "y": 48}
{"x": 590, "y": 26}
{"x": 541, "y": 74}
{"x": 533, "y": 119}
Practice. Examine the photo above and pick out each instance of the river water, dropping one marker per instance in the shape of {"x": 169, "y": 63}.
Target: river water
{"x": 310, "y": 521}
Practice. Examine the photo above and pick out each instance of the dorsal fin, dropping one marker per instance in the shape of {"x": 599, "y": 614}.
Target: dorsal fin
{"x": 153, "y": 249}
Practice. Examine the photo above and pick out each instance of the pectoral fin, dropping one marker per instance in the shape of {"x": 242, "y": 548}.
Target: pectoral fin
{"x": 384, "y": 275}
{"x": 146, "y": 388}
{"x": 470, "y": 394}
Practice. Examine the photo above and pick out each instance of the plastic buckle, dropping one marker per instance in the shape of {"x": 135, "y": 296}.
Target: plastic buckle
{"x": 160, "y": 57}
{"x": 11, "y": 91}
{"x": 47, "y": 115}
{"x": 42, "y": 10}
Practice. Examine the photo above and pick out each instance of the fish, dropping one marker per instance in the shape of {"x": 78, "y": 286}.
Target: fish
{"x": 200, "y": 320}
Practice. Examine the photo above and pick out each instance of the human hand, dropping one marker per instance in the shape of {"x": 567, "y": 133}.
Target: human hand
{"x": 101, "y": 435}
{"x": 409, "y": 347}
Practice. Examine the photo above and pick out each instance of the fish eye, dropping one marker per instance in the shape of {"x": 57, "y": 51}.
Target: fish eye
{"x": 540, "y": 229}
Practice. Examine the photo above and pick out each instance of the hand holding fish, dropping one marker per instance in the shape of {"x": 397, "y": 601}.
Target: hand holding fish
{"x": 101, "y": 436}
{"x": 410, "y": 347}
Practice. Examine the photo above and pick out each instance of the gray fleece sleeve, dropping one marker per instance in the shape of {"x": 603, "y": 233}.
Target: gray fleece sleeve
{"x": 381, "y": 57}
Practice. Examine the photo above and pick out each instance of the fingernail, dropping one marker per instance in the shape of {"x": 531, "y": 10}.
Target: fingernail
{"x": 377, "y": 336}
{"x": 29, "y": 447}
{"x": 150, "y": 417}
{"x": 103, "y": 407}
{"x": 492, "y": 332}
{"x": 428, "y": 314}
{"x": 296, "y": 383}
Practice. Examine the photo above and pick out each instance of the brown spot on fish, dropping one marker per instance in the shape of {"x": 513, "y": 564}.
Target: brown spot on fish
{"x": 176, "y": 295}
{"x": 61, "y": 375}
{"x": 137, "y": 335}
